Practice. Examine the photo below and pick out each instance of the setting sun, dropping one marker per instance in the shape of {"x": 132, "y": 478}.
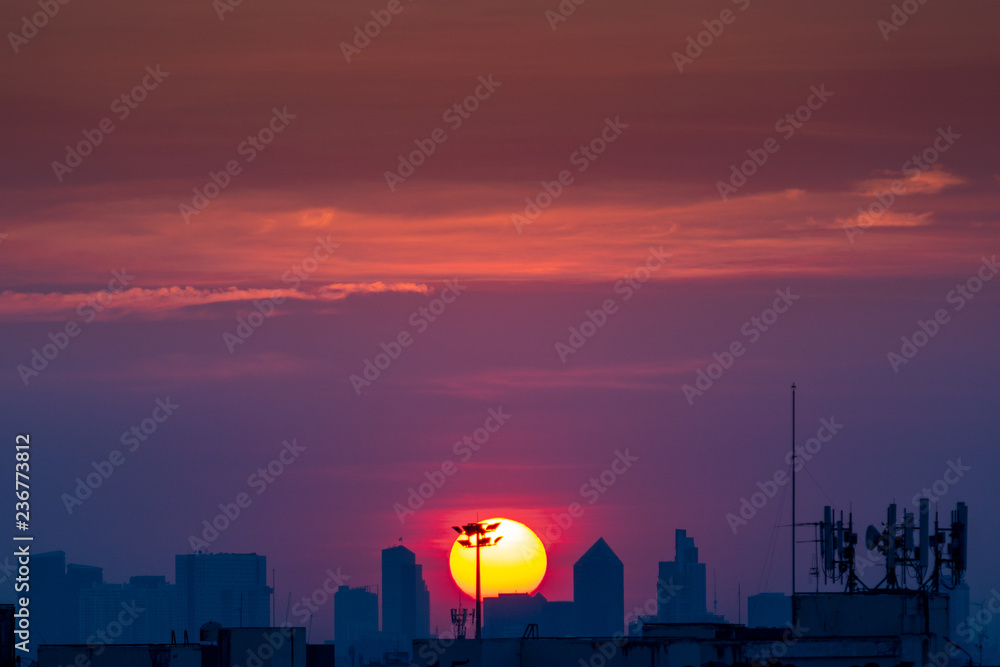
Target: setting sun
{"x": 515, "y": 565}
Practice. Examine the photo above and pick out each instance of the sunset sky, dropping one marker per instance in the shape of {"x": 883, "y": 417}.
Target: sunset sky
{"x": 312, "y": 222}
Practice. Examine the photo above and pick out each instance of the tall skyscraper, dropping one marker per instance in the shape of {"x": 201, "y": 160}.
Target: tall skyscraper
{"x": 405, "y": 598}
{"x": 686, "y": 605}
{"x": 423, "y": 601}
{"x": 148, "y": 609}
{"x": 355, "y": 621}
{"x": 599, "y": 591}
{"x": 80, "y": 578}
{"x": 230, "y": 589}
{"x": 55, "y": 589}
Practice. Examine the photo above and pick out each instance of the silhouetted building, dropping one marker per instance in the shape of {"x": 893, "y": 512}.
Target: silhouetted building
{"x": 49, "y": 599}
{"x": 355, "y": 622}
{"x": 399, "y": 592}
{"x": 230, "y": 589}
{"x": 265, "y": 646}
{"x": 597, "y": 608}
{"x": 769, "y": 610}
{"x": 7, "y": 635}
{"x": 508, "y": 614}
{"x": 80, "y": 578}
{"x": 559, "y": 619}
{"x": 875, "y": 629}
{"x": 236, "y": 647}
{"x": 685, "y": 604}
{"x": 147, "y": 609}
{"x": 599, "y": 591}
{"x": 55, "y": 595}
{"x": 423, "y": 601}
{"x": 405, "y": 598}
{"x": 322, "y": 655}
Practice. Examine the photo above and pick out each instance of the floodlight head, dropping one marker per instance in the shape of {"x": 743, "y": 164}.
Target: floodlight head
{"x": 457, "y": 529}
{"x": 498, "y": 539}
{"x": 492, "y": 526}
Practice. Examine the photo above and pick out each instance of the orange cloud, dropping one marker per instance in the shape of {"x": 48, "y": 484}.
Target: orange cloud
{"x": 33, "y": 306}
{"x": 929, "y": 182}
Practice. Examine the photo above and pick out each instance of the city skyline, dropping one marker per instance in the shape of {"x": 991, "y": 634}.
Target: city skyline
{"x": 680, "y": 594}
{"x": 314, "y": 280}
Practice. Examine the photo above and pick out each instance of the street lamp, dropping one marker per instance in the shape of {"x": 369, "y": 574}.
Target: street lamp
{"x": 474, "y": 536}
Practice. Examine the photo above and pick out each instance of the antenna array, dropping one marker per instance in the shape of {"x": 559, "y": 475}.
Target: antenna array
{"x": 906, "y": 546}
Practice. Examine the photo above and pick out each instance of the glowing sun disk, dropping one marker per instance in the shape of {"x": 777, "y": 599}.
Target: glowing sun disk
{"x": 515, "y": 565}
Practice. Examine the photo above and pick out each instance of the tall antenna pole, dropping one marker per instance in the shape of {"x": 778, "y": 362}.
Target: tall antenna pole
{"x": 479, "y": 595}
{"x": 793, "y": 493}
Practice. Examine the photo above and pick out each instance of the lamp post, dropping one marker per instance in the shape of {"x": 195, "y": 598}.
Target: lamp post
{"x": 474, "y": 536}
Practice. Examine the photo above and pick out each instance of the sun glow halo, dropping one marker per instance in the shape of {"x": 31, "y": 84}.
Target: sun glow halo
{"x": 515, "y": 565}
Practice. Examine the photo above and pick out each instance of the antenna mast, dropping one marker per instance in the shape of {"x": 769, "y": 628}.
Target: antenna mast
{"x": 793, "y": 494}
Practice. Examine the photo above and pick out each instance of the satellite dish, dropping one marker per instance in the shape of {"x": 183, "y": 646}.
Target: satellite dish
{"x": 872, "y": 537}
